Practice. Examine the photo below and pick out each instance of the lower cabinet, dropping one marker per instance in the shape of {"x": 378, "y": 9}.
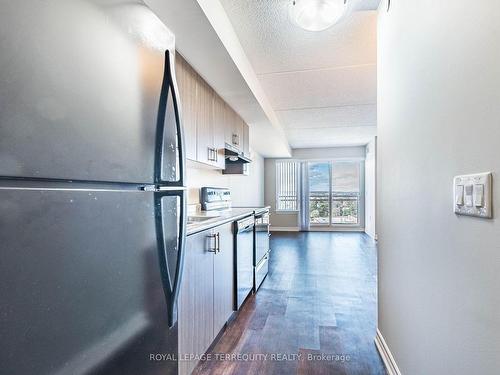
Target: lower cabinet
{"x": 223, "y": 278}
{"x": 206, "y": 296}
{"x": 195, "y": 302}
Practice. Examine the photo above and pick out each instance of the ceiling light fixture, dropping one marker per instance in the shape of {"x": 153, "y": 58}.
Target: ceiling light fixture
{"x": 317, "y": 15}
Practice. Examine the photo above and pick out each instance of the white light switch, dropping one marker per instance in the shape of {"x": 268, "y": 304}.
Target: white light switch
{"x": 472, "y": 195}
{"x": 459, "y": 195}
{"x": 468, "y": 195}
{"x": 478, "y": 195}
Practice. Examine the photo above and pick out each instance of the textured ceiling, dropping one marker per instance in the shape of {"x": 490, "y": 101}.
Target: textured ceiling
{"x": 322, "y": 85}
{"x": 206, "y": 39}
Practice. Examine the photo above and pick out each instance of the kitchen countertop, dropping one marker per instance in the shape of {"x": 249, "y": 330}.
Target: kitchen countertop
{"x": 219, "y": 217}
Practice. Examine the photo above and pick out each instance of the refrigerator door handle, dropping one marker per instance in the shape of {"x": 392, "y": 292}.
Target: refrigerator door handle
{"x": 180, "y": 258}
{"x": 171, "y": 285}
{"x": 169, "y": 85}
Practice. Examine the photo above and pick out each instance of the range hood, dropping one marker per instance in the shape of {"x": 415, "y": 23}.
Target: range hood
{"x": 233, "y": 155}
{"x": 236, "y": 161}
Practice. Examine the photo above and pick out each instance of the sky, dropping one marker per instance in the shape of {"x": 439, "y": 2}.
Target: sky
{"x": 345, "y": 176}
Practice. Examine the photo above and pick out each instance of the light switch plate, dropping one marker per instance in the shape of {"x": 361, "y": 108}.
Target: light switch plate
{"x": 472, "y": 184}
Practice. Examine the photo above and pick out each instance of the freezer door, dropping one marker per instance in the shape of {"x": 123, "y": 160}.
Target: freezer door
{"x": 81, "y": 282}
{"x": 83, "y": 92}
{"x": 170, "y": 152}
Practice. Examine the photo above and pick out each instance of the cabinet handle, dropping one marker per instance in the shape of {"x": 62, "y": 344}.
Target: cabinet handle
{"x": 218, "y": 242}
{"x": 212, "y": 154}
{"x": 236, "y": 139}
{"x": 214, "y": 248}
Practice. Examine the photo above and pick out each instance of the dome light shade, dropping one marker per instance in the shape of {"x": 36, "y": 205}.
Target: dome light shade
{"x": 317, "y": 15}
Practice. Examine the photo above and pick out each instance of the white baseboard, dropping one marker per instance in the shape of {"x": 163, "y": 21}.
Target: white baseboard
{"x": 336, "y": 229}
{"x": 318, "y": 229}
{"x": 385, "y": 353}
{"x": 284, "y": 229}
{"x": 372, "y": 235}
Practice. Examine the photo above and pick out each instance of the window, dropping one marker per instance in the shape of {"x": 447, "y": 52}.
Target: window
{"x": 334, "y": 193}
{"x": 319, "y": 193}
{"x": 345, "y": 193}
{"x": 287, "y": 185}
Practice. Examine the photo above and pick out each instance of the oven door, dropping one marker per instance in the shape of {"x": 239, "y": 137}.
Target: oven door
{"x": 261, "y": 237}
{"x": 244, "y": 251}
{"x": 261, "y": 271}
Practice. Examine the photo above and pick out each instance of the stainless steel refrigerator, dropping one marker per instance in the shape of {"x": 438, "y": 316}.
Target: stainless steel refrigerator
{"x": 92, "y": 197}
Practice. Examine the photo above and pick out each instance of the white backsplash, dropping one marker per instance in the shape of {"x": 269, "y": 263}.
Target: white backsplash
{"x": 245, "y": 190}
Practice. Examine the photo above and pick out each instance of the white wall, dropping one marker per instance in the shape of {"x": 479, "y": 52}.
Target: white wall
{"x": 438, "y": 116}
{"x": 370, "y": 188}
{"x": 245, "y": 190}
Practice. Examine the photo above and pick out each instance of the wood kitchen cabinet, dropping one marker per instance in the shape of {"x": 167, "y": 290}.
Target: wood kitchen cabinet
{"x": 234, "y": 129}
{"x": 209, "y": 122}
{"x": 230, "y": 118}
{"x": 195, "y": 302}
{"x": 223, "y": 282}
{"x": 237, "y": 133}
{"x": 206, "y": 151}
{"x": 210, "y": 126}
{"x": 206, "y": 295}
{"x": 246, "y": 140}
{"x": 219, "y": 121}
{"x": 186, "y": 82}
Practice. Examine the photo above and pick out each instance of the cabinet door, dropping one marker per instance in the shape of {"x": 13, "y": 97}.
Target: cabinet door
{"x": 223, "y": 278}
{"x": 219, "y": 130}
{"x": 246, "y": 140}
{"x": 229, "y": 119}
{"x": 186, "y": 80}
{"x": 204, "y": 123}
{"x": 238, "y": 133}
{"x": 195, "y": 303}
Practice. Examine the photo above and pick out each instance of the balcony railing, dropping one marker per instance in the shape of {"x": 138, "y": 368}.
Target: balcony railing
{"x": 344, "y": 207}
{"x": 287, "y": 203}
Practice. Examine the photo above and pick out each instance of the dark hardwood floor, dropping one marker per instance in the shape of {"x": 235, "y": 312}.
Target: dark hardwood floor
{"x": 318, "y": 299}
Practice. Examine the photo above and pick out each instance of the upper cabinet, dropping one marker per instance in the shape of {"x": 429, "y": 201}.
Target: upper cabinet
{"x": 246, "y": 140}
{"x": 234, "y": 130}
{"x": 186, "y": 80}
{"x": 206, "y": 151}
{"x": 219, "y": 116}
{"x": 209, "y": 123}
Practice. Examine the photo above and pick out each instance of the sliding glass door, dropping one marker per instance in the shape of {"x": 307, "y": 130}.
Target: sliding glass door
{"x": 335, "y": 197}
{"x": 319, "y": 193}
{"x": 345, "y": 193}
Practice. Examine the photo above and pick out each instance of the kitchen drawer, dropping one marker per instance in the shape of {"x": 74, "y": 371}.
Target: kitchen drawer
{"x": 261, "y": 271}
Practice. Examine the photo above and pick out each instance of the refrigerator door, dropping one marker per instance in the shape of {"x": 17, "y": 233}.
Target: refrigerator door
{"x": 81, "y": 92}
{"x": 170, "y": 218}
{"x": 82, "y": 286}
{"x": 170, "y": 152}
